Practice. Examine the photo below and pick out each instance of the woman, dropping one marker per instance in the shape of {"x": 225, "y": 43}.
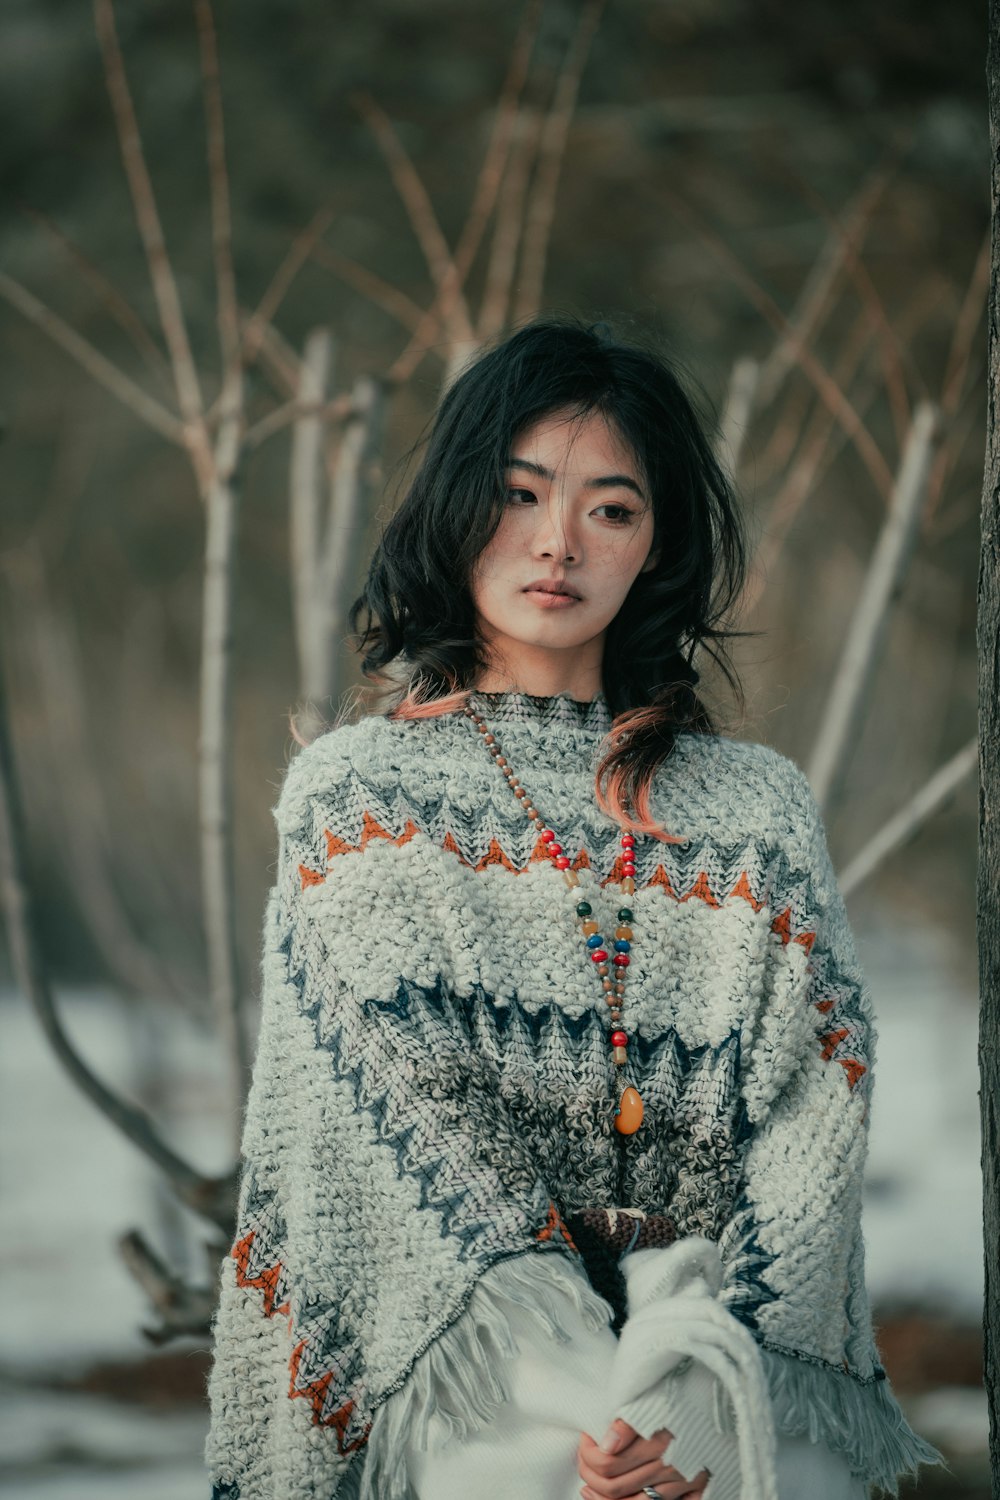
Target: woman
{"x": 553, "y": 1154}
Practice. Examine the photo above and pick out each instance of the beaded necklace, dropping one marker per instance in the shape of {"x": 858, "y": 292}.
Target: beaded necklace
{"x": 629, "y": 1108}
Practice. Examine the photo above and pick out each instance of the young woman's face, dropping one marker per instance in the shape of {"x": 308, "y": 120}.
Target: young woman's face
{"x": 577, "y": 515}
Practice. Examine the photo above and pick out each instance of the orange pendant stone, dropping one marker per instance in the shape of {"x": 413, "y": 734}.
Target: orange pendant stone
{"x": 629, "y": 1116}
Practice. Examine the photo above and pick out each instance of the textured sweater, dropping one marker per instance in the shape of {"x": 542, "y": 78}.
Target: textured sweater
{"x": 430, "y": 1091}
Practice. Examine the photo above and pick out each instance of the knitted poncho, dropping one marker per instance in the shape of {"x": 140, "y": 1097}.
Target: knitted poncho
{"x": 431, "y": 1085}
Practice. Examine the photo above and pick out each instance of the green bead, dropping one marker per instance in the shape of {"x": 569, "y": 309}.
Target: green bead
{"x": 624, "y": 914}
{"x": 584, "y": 909}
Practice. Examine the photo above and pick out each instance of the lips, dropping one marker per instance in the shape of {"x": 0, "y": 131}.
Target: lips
{"x": 548, "y": 586}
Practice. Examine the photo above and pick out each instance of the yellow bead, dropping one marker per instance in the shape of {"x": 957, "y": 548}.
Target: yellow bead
{"x": 590, "y": 927}
{"x": 629, "y": 1116}
{"x": 620, "y": 1054}
{"x": 624, "y": 932}
{"x": 628, "y": 886}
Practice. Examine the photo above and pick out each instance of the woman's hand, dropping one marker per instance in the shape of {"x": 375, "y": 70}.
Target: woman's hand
{"x": 621, "y": 1466}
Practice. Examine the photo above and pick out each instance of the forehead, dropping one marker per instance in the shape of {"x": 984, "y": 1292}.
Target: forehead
{"x": 570, "y": 443}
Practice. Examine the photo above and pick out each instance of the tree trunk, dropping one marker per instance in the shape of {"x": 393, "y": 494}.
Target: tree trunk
{"x": 988, "y": 875}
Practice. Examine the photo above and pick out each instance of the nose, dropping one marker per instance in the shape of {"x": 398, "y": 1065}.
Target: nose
{"x": 554, "y": 538}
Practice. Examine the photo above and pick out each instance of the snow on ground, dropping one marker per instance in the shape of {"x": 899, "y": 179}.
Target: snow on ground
{"x": 70, "y": 1185}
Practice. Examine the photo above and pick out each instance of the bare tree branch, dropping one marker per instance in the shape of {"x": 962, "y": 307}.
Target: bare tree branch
{"x": 285, "y": 416}
{"x": 212, "y": 1198}
{"x": 256, "y": 329}
{"x": 440, "y": 261}
{"x": 967, "y": 324}
{"x": 509, "y": 224}
{"x": 306, "y": 495}
{"x": 218, "y": 177}
{"x": 184, "y": 1311}
{"x": 93, "y": 361}
{"x": 147, "y": 218}
{"x": 849, "y": 236}
{"x": 552, "y": 148}
{"x": 801, "y": 478}
{"x": 489, "y": 181}
{"x": 736, "y": 414}
{"x": 491, "y": 173}
{"x": 827, "y": 389}
{"x": 379, "y": 291}
{"x": 356, "y": 472}
{"x": 215, "y": 743}
{"x": 108, "y": 295}
{"x": 846, "y": 700}
{"x": 910, "y": 818}
{"x": 77, "y": 803}
{"x": 277, "y": 357}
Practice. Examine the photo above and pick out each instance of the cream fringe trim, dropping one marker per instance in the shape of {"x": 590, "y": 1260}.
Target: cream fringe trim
{"x": 460, "y": 1378}
{"x": 864, "y": 1422}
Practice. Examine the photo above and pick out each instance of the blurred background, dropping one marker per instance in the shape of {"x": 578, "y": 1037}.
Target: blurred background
{"x": 242, "y": 250}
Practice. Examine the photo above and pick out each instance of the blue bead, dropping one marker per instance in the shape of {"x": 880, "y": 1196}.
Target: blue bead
{"x": 595, "y": 940}
{"x": 622, "y": 945}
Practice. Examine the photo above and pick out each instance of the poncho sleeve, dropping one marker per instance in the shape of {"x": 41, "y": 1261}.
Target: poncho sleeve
{"x": 371, "y": 1197}
{"x": 788, "y": 1266}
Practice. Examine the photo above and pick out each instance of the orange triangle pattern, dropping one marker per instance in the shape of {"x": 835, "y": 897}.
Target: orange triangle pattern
{"x": 452, "y": 848}
{"x": 310, "y": 877}
{"x": 266, "y": 1282}
{"x": 831, "y": 1042}
{"x": 554, "y": 1227}
{"x": 495, "y": 856}
{"x": 315, "y": 1394}
{"x": 335, "y": 846}
{"x": 742, "y": 888}
{"x": 315, "y": 1391}
{"x": 853, "y": 1069}
{"x": 702, "y": 890}
{"x": 662, "y": 879}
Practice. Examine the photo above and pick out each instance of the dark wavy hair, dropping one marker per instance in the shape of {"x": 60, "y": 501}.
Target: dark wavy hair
{"x": 419, "y": 634}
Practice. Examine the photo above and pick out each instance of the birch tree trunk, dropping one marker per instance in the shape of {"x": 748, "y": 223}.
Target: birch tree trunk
{"x": 988, "y": 875}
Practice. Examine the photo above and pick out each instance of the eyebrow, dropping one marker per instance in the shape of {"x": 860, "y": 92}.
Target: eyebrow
{"x": 604, "y": 482}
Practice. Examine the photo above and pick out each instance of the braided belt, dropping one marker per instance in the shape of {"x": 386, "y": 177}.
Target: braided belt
{"x": 620, "y": 1230}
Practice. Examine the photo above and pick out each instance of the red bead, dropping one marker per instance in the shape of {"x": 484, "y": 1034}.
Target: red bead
{"x": 555, "y": 848}
{"x": 621, "y": 959}
{"x": 628, "y": 868}
{"x": 628, "y": 841}
{"x": 547, "y": 834}
{"x": 599, "y": 955}
{"x": 619, "y": 1039}
{"x": 563, "y": 862}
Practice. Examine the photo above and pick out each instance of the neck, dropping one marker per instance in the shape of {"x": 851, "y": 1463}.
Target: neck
{"x": 543, "y": 680}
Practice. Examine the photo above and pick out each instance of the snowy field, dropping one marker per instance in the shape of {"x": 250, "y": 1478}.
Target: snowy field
{"x": 71, "y": 1185}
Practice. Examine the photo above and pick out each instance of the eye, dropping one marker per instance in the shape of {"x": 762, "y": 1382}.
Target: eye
{"x": 512, "y": 493}
{"x": 625, "y": 513}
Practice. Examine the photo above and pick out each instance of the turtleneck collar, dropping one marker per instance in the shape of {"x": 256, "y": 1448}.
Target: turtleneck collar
{"x": 544, "y": 711}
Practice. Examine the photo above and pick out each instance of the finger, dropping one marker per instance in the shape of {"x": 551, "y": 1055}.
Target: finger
{"x": 618, "y": 1437}
{"x": 624, "y": 1486}
{"x": 666, "y": 1491}
{"x": 607, "y": 1465}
